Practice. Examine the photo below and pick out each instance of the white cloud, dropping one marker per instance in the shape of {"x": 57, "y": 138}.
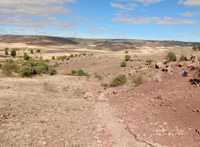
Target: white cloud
{"x": 173, "y": 21}
{"x": 141, "y": 20}
{"x": 37, "y": 23}
{"x": 188, "y": 14}
{"x": 82, "y": 18}
{"x": 37, "y": 8}
{"x": 129, "y": 7}
{"x": 189, "y": 2}
{"x": 145, "y": 2}
{"x": 115, "y": 27}
{"x": 98, "y": 30}
{"x": 177, "y": 36}
{"x": 34, "y": 13}
{"x": 157, "y": 20}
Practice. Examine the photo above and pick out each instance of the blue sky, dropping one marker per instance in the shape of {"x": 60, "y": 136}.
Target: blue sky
{"x": 110, "y": 19}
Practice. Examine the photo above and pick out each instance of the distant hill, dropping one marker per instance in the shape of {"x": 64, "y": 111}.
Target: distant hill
{"x": 37, "y": 40}
{"x": 101, "y": 43}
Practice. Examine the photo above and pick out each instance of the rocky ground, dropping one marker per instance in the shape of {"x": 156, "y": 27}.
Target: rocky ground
{"x": 72, "y": 111}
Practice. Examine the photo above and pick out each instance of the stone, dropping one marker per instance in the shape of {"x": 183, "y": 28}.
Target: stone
{"x": 158, "y": 65}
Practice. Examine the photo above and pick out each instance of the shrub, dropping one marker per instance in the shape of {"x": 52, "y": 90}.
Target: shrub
{"x": 61, "y": 58}
{"x": 83, "y": 54}
{"x": 53, "y": 58}
{"x": 138, "y": 80}
{"x": 13, "y": 53}
{"x": 97, "y": 76}
{"x": 195, "y": 48}
{"x": 171, "y": 57}
{"x": 0, "y": 65}
{"x": 37, "y": 51}
{"x": 71, "y": 56}
{"x": 52, "y": 71}
{"x": 73, "y": 72}
{"x": 26, "y": 57}
{"x": 149, "y": 61}
{"x": 127, "y": 57}
{"x": 33, "y": 67}
{"x": 123, "y": 64}
{"x": 182, "y": 57}
{"x": 31, "y": 51}
{"x": 80, "y": 72}
{"x": 6, "y": 51}
{"x": 119, "y": 80}
{"x": 56, "y": 64}
{"x": 126, "y": 52}
{"x": 9, "y": 67}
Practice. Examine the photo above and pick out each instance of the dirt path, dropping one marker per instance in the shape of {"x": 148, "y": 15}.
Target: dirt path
{"x": 120, "y": 136}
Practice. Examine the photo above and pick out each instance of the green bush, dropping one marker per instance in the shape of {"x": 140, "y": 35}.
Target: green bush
{"x": 13, "y": 53}
{"x": 33, "y": 67}
{"x": 195, "y": 48}
{"x": 52, "y": 71}
{"x": 127, "y": 57}
{"x": 53, "y": 58}
{"x": 9, "y": 67}
{"x": 56, "y": 64}
{"x": 170, "y": 57}
{"x": 119, "y": 80}
{"x": 73, "y": 72}
{"x": 80, "y": 72}
{"x": 126, "y": 52}
{"x": 138, "y": 80}
{"x": 37, "y": 51}
{"x": 149, "y": 61}
{"x": 61, "y": 58}
{"x": 31, "y": 51}
{"x": 26, "y": 57}
{"x": 71, "y": 56}
{"x": 6, "y": 51}
{"x": 97, "y": 76}
{"x": 123, "y": 64}
{"x": 182, "y": 57}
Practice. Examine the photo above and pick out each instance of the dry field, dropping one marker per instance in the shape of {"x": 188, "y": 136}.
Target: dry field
{"x": 76, "y": 111}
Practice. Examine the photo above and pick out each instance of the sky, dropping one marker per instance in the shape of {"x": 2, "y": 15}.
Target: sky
{"x": 109, "y": 19}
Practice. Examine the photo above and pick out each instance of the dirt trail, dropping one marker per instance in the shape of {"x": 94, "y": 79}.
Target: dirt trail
{"x": 120, "y": 136}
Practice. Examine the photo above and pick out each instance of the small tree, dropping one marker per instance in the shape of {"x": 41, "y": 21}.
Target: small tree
{"x": 195, "y": 48}
{"x": 127, "y": 57}
{"x": 6, "y": 51}
{"x": 13, "y": 53}
{"x": 31, "y": 51}
{"x": 119, "y": 80}
{"x": 123, "y": 64}
{"x": 171, "y": 57}
{"x": 26, "y": 57}
{"x": 37, "y": 51}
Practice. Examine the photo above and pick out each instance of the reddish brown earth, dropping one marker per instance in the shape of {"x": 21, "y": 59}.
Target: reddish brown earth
{"x": 72, "y": 111}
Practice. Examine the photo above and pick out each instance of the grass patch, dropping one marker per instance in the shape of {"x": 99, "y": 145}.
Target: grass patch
{"x": 138, "y": 80}
{"x": 123, "y": 64}
{"x": 119, "y": 80}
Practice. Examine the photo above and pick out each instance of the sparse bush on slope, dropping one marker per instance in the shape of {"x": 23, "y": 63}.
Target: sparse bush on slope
{"x": 138, "y": 80}
{"x": 123, "y": 64}
{"x": 13, "y": 53}
{"x": 33, "y": 67}
{"x": 171, "y": 57}
{"x": 119, "y": 80}
{"x": 9, "y": 67}
{"x": 127, "y": 57}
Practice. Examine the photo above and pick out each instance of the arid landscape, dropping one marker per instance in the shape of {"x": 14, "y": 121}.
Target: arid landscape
{"x": 151, "y": 104}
